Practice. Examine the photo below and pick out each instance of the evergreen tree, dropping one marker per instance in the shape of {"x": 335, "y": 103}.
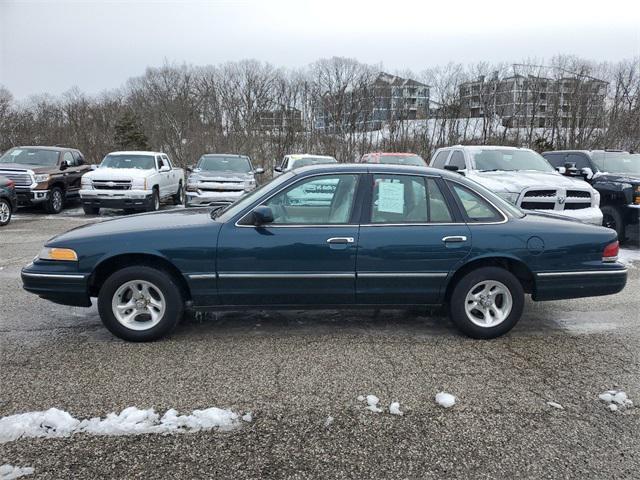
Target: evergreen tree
{"x": 129, "y": 134}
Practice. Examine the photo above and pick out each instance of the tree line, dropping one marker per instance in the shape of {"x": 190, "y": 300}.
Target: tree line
{"x": 187, "y": 110}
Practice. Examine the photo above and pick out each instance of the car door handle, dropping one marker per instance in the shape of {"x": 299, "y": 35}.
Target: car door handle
{"x": 455, "y": 238}
{"x": 340, "y": 240}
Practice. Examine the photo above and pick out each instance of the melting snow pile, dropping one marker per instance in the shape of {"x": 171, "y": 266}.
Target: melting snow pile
{"x": 555, "y": 405}
{"x": 628, "y": 256}
{"x": 9, "y": 472}
{"x": 445, "y": 399}
{"x": 55, "y": 423}
{"x": 616, "y": 400}
{"x": 394, "y": 408}
{"x": 372, "y": 403}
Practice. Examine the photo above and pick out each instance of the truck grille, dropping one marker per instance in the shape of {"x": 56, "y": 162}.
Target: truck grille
{"x": 220, "y": 186}
{"x": 112, "y": 184}
{"x": 19, "y": 178}
{"x": 559, "y": 199}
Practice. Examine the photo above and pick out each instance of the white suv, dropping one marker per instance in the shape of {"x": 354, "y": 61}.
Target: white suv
{"x": 524, "y": 178}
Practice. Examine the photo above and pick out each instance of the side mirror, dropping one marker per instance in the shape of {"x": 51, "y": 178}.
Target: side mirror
{"x": 262, "y": 215}
{"x": 451, "y": 168}
{"x": 277, "y": 169}
{"x": 165, "y": 168}
{"x": 587, "y": 173}
{"x": 64, "y": 165}
{"x": 570, "y": 169}
{"x": 259, "y": 170}
{"x": 561, "y": 170}
{"x": 189, "y": 168}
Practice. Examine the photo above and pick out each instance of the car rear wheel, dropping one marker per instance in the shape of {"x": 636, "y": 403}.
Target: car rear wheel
{"x": 140, "y": 304}
{"x": 178, "y": 198}
{"x": 55, "y": 202}
{"x": 89, "y": 210}
{"x": 486, "y": 302}
{"x": 5, "y": 212}
{"x": 612, "y": 218}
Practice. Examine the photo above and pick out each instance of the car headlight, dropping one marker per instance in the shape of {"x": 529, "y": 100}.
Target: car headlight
{"x": 249, "y": 185}
{"x": 509, "y": 197}
{"x": 86, "y": 183}
{"x": 139, "y": 183}
{"x": 192, "y": 184}
{"x": 596, "y": 198}
{"x": 42, "y": 177}
{"x": 60, "y": 254}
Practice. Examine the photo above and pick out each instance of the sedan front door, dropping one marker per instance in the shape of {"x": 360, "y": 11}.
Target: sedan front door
{"x": 307, "y": 255}
{"x": 409, "y": 243}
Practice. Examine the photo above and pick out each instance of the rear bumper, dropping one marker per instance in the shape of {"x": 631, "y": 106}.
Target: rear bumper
{"x": 134, "y": 199}
{"x": 561, "y": 285}
{"x": 63, "y": 287}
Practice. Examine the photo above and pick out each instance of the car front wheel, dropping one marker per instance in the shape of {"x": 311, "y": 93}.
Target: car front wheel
{"x": 5, "y": 212}
{"x": 140, "y": 303}
{"x": 486, "y": 302}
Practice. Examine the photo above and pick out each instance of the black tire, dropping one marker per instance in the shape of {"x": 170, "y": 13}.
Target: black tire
{"x": 466, "y": 285}
{"x": 55, "y": 202}
{"x": 162, "y": 281}
{"x": 612, "y": 218}
{"x": 154, "y": 203}
{"x": 89, "y": 210}
{"x": 5, "y": 212}
{"x": 178, "y": 198}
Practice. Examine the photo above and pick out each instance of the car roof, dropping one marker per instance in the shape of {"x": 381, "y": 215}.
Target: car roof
{"x": 374, "y": 168}
{"x": 585, "y": 151}
{"x": 484, "y": 147}
{"x": 47, "y": 147}
{"x": 135, "y": 152}
{"x": 239, "y": 155}
{"x": 297, "y": 156}
{"x": 392, "y": 153}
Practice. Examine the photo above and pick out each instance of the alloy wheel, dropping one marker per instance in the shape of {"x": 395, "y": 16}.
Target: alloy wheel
{"x": 5, "y": 212}
{"x": 138, "y": 305}
{"x": 56, "y": 201}
{"x": 488, "y": 303}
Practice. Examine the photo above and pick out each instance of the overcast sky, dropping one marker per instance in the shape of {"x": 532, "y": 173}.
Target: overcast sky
{"x": 50, "y": 46}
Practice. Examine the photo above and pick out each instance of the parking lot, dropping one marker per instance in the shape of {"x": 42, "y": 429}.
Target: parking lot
{"x": 300, "y": 373}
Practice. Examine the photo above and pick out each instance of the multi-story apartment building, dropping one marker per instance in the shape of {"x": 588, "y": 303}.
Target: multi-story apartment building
{"x": 536, "y": 101}
{"x": 280, "y": 119}
{"x": 388, "y": 98}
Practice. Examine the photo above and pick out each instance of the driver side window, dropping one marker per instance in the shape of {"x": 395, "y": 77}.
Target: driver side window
{"x": 322, "y": 200}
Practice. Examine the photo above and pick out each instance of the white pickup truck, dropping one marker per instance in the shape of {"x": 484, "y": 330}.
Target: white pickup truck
{"x": 133, "y": 181}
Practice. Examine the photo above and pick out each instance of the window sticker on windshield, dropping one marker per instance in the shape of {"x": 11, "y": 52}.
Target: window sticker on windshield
{"x": 391, "y": 197}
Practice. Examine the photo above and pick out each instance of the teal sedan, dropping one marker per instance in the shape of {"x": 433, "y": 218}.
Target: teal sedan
{"x": 331, "y": 236}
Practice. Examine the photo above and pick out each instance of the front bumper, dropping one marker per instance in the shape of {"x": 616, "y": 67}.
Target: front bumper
{"x": 31, "y": 197}
{"x": 119, "y": 199}
{"x": 57, "y": 283}
{"x": 592, "y": 215}
{"x": 560, "y": 285}
{"x": 204, "y": 198}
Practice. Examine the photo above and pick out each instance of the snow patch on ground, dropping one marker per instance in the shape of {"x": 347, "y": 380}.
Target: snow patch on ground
{"x": 629, "y": 256}
{"x": 360, "y": 398}
{"x": 54, "y": 423}
{"x": 394, "y": 408}
{"x": 328, "y": 421}
{"x": 372, "y": 404}
{"x": 445, "y": 399}
{"x": 247, "y": 417}
{"x": 616, "y": 400}
{"x": 9, "y": 472}
{"x": 555, "y": 405}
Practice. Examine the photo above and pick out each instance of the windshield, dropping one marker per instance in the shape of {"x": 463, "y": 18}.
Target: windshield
{"x": 219, "y": 163}
{"x": 226, "y": 213}
{"x": 509, "y": 160}
{"x": 415, "y": 160}
{"x": 618, "y": 162}
{"x": 31, "y": 156}
{"x": 141, "y": 162}
{"x": 303, "y": 162}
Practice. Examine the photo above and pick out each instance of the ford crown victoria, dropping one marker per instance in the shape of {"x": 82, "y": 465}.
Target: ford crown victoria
{"x": 331, "y": 236}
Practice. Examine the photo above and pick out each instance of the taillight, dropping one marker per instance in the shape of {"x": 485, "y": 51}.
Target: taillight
{"x": 636, "y": 195}
{"x": 610, "y": 253}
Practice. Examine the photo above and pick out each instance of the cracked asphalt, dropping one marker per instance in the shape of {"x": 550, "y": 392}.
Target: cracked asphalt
{"x": 294, "y": 369}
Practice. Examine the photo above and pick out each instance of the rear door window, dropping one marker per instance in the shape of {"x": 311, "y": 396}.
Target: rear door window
{"x": 457, "y": 160}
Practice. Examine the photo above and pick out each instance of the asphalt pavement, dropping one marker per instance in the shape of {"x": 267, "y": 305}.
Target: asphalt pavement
{"x": 295, "y": 369}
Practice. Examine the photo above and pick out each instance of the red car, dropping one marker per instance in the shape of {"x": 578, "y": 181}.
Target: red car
{"x": 394, "y": 158}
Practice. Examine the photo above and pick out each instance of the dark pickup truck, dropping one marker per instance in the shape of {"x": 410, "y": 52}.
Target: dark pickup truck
{"x": 615, "y": 174}
{"x": 44, "y": 175}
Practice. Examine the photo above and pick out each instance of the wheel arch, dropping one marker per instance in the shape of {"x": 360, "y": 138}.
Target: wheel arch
{"x": 514, "y": 265}
{"x": 109, "y": 265}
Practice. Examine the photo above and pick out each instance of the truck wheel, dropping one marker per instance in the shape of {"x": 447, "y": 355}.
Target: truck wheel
{"x": 178, "y": 198}
{"x": 5, "y": 212}
{"x": 89, "y": 210}
{"x": 612, "y": 218}
{"x": 154, "y": 205}
{"x": 486, "y": 302}
{"x": 140, "y": 303}
{"x": 55, "y": 202}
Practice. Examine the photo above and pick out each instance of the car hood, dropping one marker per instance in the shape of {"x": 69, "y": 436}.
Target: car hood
{"x": 225, "y": 176}
{"x": 618, "y": 177}
{"x": 21, "y": 167}
{"x": 146, "y": 223}
{"x": 118, "y": 173}
{"x": 517, "y": 181}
